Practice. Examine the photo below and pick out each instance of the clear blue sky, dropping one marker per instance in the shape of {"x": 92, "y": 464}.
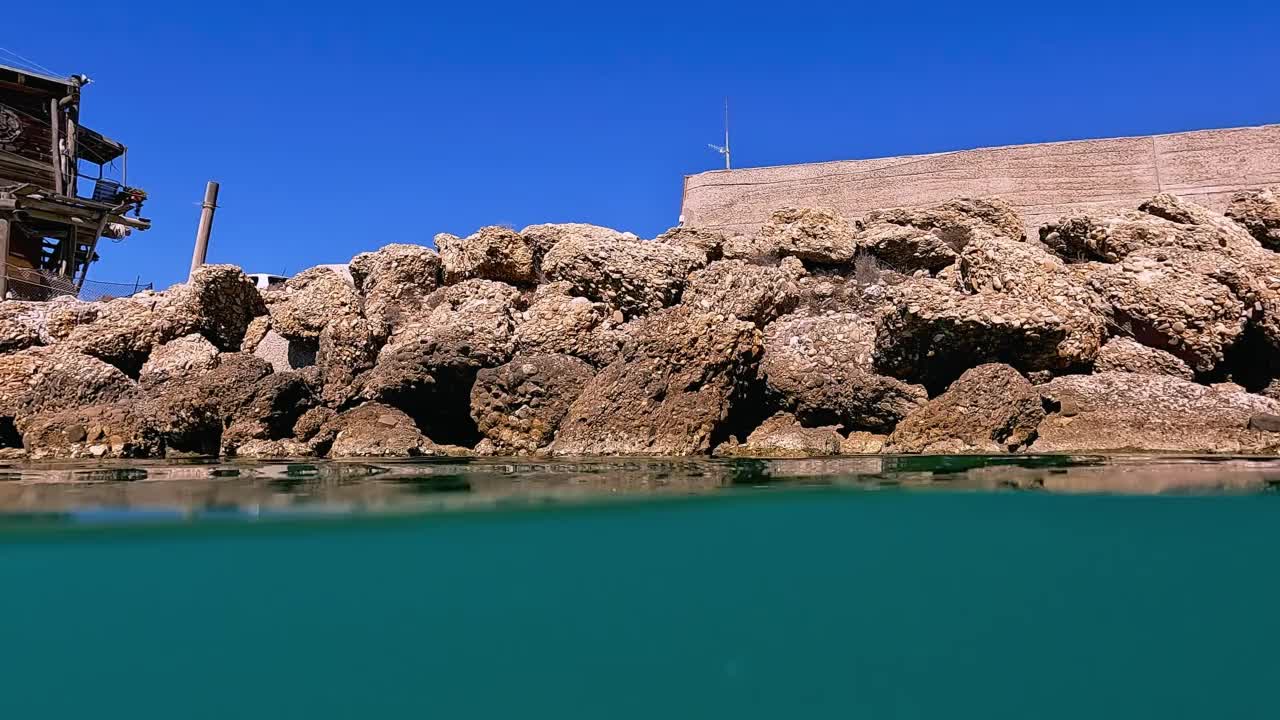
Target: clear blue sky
{"x": 339, "y": 127}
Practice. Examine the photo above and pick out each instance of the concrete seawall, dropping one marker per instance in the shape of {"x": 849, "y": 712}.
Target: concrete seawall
{"x": 1043, "y": 181}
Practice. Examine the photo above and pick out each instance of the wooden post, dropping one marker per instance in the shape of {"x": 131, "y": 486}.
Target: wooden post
{"x": 56, "y": 151}
{"x": 4, "y": 257}
{"x": 206, "y": 225}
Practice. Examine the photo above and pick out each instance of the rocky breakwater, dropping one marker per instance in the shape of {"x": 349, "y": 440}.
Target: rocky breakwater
{"x": 914, "y": 330}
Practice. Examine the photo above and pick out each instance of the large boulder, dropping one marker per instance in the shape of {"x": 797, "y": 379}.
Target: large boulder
{"x": 1259, "y": 212}
{"x": 24, "y": 324}
{"x": 375, "y": 430}
{"x": 125, "y": 331}
{"x": 820, "y": 368}
{"x": 178, "y": 358}
{"x": 634, "y": 277}
{"x": 818, "y": 235}
{"x": 427, "y": 367}
{"x": 395, "y": 280}
{"x": 1163, "y": 222}
{"x": 491, "y": 253}
{"x": 545, "y": 236}
{"x": 956, "y": 221}
{"x": 991, "y": 408}
{"x": 308, "y": 301}
{"x": 218, "y": 301}
{"x": 269, "y": 413}
{"x": 53, "y": 378}
{"x": 704, "y": 240}
{"x": 783, "y": 436}
{"x": 755, "y": 293}
{"x": 519, "y": 405}
{"x": 1123, "y": 354}
{"x": 1179, "y": 301}
{"x": 932, "y": 333}
{"x": 113, "y": 430}
{"x": 349, "y": 346}
{"x": 558, "y": 322}
{"x": 1115, "y": 412}
{"x": 906, "y": 248}
{"x": 671, "y": 390}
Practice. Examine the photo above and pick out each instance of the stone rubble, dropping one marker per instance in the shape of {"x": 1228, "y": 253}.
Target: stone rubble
{"x": 912, "y": 330}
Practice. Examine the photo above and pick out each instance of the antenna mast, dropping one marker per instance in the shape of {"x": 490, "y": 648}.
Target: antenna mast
{"x": 724, "y": 149}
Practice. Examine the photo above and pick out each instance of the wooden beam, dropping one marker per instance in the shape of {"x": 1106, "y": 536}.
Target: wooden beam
{"x": 56, "y": 151}
{"x": 4, "y": 256}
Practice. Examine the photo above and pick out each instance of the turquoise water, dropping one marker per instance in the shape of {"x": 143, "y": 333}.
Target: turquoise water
{"x": 768, "y": 601}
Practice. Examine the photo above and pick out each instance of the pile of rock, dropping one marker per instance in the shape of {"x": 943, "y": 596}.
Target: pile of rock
{"x": 916, "y": 330}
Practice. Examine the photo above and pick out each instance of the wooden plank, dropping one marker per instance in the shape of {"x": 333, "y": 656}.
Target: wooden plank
{"x": 4, "y": 257}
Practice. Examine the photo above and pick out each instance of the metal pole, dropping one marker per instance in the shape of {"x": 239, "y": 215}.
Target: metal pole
{"x": 206, "y": 225}
{"x": 726, "y": 134}
{"x": 4, "y": 257}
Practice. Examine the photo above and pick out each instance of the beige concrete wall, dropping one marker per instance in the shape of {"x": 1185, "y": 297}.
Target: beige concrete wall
{"x": 1044, "y": 181}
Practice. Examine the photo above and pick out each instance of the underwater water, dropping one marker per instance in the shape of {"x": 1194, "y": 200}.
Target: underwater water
{"x": 858, "y": 587}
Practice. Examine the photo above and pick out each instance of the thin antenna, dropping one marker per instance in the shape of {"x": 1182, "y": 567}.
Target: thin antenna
{"x": 724, "y": 149}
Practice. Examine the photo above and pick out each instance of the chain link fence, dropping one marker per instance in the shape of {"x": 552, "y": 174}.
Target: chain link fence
{"x": 33, "y": 284}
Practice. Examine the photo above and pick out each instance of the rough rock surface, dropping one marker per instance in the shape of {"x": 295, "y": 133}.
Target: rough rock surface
{"x": 1163, "y": 222}
{"x": 519, "y": 405}
{"x": 187, "y": 355}
{"x": 669, "y": 393}
{"x": 53, "y": 378}
{"x": 991, "y": 408}
{"x": 820, "y": 368}
{"x": 544, "y": 236}
{"x": 1122, "y": 354}
{"x": 395, "y": 280}
{"x": 375, "y": 430}
{"x": 1150, "y": 413}
{"x": 819, "y": 235}
{"x": 957, "y": 221}
{"x": 1259, "y": 213}
{"x": 491, "y": 253}
{"x": 306, "y": 302}
{"x": 633, "y": 277}
{"x": 754, "y": 293}
{"x": 558, "y": 322}
{"x": 783, "y": 436}
{"x": 709, "y": 242}
{"x": 906, "y": 248}
{"x": 933, "y": 333}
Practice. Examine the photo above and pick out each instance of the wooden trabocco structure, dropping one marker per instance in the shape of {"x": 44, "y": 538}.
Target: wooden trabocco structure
{"x": 56, "y": 197}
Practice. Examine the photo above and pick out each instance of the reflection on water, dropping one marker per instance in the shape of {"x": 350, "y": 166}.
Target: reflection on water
{"x": 106, "y": 492}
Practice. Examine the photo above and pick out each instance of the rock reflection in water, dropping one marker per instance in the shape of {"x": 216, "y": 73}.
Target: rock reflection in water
{"x": 250, "y": 488}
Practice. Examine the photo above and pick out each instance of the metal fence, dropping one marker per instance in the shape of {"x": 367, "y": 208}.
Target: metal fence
{"x": 32, "y": 284}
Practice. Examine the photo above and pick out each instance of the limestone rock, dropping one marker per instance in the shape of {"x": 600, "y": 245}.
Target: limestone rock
{"x": 754, "y": 293}
{"x": 275, "y": 449}
{"x": 669, "y": 392}
{"x": 956, "y": 222}
{"x": 558, "y": 322}
{"x": 492, "y": 253}
{"x": 933, "y": 333}
{"x": 306, "y": 302}
{"x": 255, "y": 332}
{"x": 349, "y": 346}
{"x": 989, "y": 409}
{"x": 126, "y": 329}
{"x": 269, "y": 413}
{"x": 184, "y": 356}
{"x": 906, "y": 248}
{"x": 1259, "y": 213}
{"x": 375, "y": 430}
{"x": 1113, "y": 412}
{"x": 219, "y": 302}
{"x": 783, "y": 436}
{"x": 820, "y": 368}
{"x": 53, "y": 378}
{"x": 1175, "y": 300}
{"x": 284, "y": 354}
{"x": 395, "y": 280}
{"x": 1122, "y": 354}
{"x": 519, "y": 405}
{"x": 1163, "y": 222}
{"x": 820, "y": 235}
{"x": 546, "y": 235}
{"x": 861, "y": 442}
{"x": 92, "y": 432}
{"x": 704, "y": 240}
{"x": 636, "y": 278}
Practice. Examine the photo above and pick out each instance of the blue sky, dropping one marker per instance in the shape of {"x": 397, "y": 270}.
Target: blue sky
{"x": 339, "y": 127}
